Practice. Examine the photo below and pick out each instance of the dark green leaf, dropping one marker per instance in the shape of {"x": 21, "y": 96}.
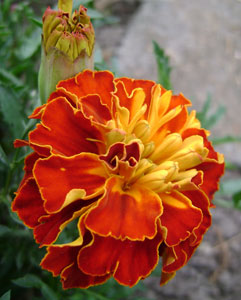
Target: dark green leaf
{"x": 3, "y": 230}
{"x": 36, "y": 22}
{"x": 29, "y": 45}
{"x": 6, "y": 296}
{"x": 28, "y": 280}
{"x": 11, "y": 110}
{"x": 8, "y": 77}
{"x": 237, "y": 199}
{"x": 33, "y": 281}
{"x": 163, "y": 67}
{"x": 3, "y": 156}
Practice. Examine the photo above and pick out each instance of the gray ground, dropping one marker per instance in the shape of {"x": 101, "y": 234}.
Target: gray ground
{"x": 203, "y": 40}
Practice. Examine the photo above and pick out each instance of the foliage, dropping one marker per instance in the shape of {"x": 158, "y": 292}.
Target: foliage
{"x": 163, "y": 67}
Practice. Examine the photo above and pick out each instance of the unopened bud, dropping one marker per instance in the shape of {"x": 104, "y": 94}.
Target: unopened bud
{"x": 67, "y": 46}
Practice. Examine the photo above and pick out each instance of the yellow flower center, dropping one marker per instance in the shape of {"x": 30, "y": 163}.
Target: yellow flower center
{"x": 166, "y": 161}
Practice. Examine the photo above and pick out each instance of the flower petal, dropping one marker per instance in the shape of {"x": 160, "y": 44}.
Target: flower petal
{"x": 59, "y": 257}
{"x": 51, "y": 225}
{"x": 130, "y": 213}
{"x": 128, "y": 261}
{"x": 89, "y": 83}
{"x": 64, "y": 130}
{"x": 200, "y": 200}
{"x": 72, "y": 277}
{"x": 125, "y": 87}
{"x": 95, "y": 110}
{"x": 28, "y": 203}
{"x": 64, "y": 180}
{"x": 62, "y": 260}
{"x": 179, "y": 217}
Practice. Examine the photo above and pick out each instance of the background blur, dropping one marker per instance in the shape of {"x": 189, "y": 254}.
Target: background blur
{"x": 202, "y": 41}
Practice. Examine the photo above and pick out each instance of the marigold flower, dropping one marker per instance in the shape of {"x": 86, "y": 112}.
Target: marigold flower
{"x": 67, "y": 45}
{"x": 126, "y": 160}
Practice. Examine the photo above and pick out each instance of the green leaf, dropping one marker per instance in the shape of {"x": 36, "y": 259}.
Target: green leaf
{"x": 28, "y": 281}
{"x": 32, "y": 281}
{"x": 6, "y": 296}
{"x": 29, "y": 45}
{"x": 163, "y": 67}
{"x": 237, "y": 199}
{"x": 213, "y": 119}
{"x": 11, "y": 110}
{"x": 3, "y": 230}
{"x": 226, "y": 139}
{"x": 229, "y": 187}
{"x": 8, "y": 77}
{"x": 209, "y": 120}
{"x": 36, "y": 22}
{"x": 94, "y": 14}
{"x": 3, "y": 156}
{"x": 202, "y": 115}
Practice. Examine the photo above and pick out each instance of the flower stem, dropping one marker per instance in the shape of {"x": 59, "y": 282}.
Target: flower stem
{"x": 97, "y": 296}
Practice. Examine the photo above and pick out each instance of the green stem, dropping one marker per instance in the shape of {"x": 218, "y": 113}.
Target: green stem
{"x": 97, "y": 296}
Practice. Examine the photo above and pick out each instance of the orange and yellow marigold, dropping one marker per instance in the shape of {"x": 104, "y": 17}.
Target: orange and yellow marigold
{"x": 126, "y": 160}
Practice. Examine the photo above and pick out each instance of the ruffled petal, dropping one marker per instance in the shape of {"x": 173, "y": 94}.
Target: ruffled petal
{"x": 125, "y": 213}
{"x": 62, "y": 260}
{"x": 212, "y": 167}
{"x": 51, "y": 225}
{"x": 212, "y": 172}
{"x": 28, "y": 203}
{"x": 59, "y": 257}
{"x": 179, "y": 217}
{"x": 128, "y": 261}
{"x": 125, "y": 87}
{"x": 28, "y": 166}
{"x": 90, "y": 83}
{"x": 95, "y": 110}
{"x": 65, "y": 130}
{"x": 176, "y": 257}
{"x": 200, "y": 200}
{"x": 166, "y": 277}
{"x": 72, "y": 277}
{"x": 64, "y": 180}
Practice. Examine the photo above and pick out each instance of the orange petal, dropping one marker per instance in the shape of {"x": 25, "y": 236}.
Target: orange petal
{"x": 20, "y": 143}
{"x": 59, "y": 257}
{"x": 200, "y": 200}
{"x": 176, "y": 257}
{"x": 166, "y": 277}
{"x": 72, "y": 277}
{"x": 28, "y": 203}
{"x": 126, "y": 86}
{"x": 57, "y": 176}
{"x": 128, "y": 261}
{"x": 95, "y": 110}
{"x": 62, "y": 260}
{"x": 28, "y": 166}
{"x": 51, "y": 225}
{"x": 125, "y": 213}
{"x": 65, "y": 130}
{"x": 179, "y": 217}
{"x": 89, "y": 83}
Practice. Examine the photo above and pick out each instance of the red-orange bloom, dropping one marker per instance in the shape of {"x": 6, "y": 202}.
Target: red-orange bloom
{"x": 126, "y": 160}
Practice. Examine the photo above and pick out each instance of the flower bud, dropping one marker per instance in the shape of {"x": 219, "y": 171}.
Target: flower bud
{"x": 67, "y": 46}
